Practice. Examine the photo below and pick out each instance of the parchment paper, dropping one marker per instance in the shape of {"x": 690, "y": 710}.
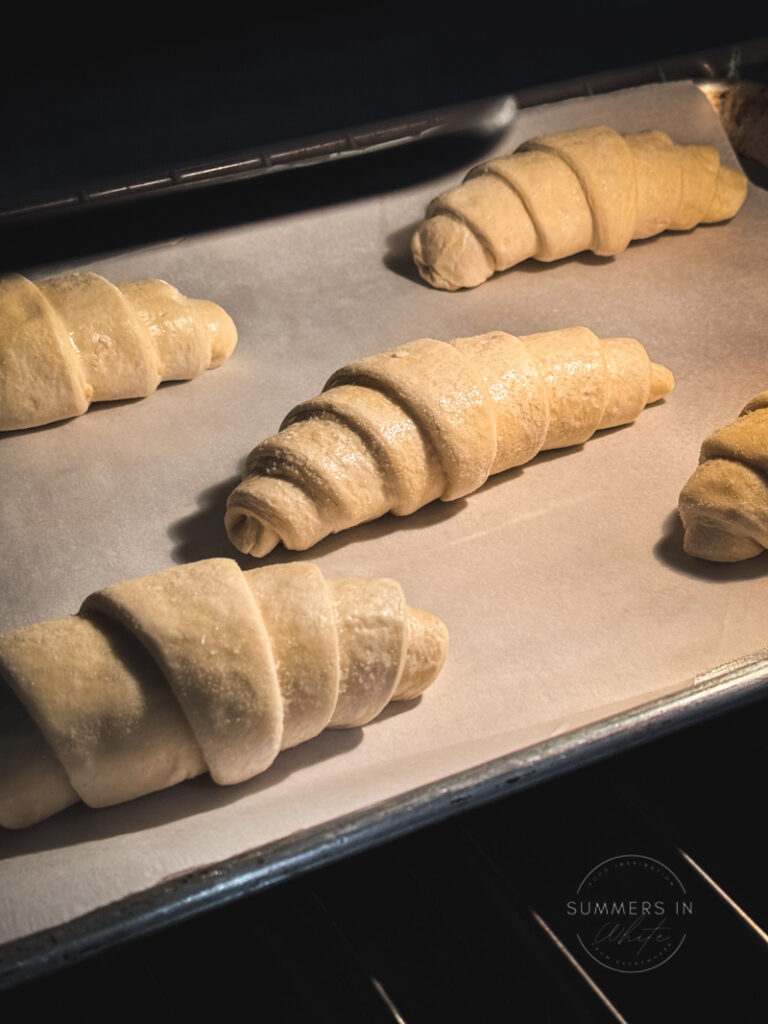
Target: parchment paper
{"x": 563, "y": 583}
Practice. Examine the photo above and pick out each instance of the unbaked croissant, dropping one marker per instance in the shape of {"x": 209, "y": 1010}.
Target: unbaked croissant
{"x": 724, "y": 504}
{"x": 432, "y": 419}
{"x": 71, "y": 340}
{"x": 201, "y": 667}
{"x": 561, "y": 194}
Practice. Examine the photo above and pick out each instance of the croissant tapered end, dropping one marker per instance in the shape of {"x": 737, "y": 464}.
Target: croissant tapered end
{"x": 729, "y": 196}
{"x": 758, "y": 402}
{"x": 591, "y": 189}
{"x": 425, "y": 653}
{"x": 724, "y": 504}
{"x": 198, "y": 668}
{"x": 246, "y": 530}
{"x": 662, "y": 382}
{"x": 449, "y": 255}
{"x": 75, "y": 339}
{"x": 721, "y": 508}
{"x": 219, "y": 326}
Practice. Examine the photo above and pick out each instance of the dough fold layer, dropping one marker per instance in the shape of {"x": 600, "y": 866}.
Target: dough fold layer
{"x": 562, "y": 194}
{"x": 432, "y": 419}
{"x": 198, "y": 668}
{"x": 71, "y": 340}
{"x": 724, "y": 504}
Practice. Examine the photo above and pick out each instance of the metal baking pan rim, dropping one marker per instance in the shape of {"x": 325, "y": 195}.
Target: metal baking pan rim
{"x": 174, "y": 901}
{"x": 480, "y": 116}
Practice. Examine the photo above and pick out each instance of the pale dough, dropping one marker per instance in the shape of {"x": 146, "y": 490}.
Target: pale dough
{"x": 432, "y": 419}
{"x": 200, "y": 667}
{"x": 724, "y": 504}
{"x": 562, "y": 194}
{"x": 71, "y": 340}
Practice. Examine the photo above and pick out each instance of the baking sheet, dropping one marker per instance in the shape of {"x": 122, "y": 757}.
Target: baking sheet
{"x": 563, "y": 583}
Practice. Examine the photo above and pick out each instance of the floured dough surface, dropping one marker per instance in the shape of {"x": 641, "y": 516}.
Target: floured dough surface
{"x": 75, "y": 339}
{"x": 198, "y": 668}
{"x": 433, "y": 419}
{"x": 724, "y": 504}
{"x": 590, "y": 189}
{"x": 202, "y": 625}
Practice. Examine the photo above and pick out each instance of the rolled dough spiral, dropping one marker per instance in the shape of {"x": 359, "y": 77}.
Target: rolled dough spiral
{"x": 562, "y": 194}
{"x": 432, "y": 419}
{"x": 724, "y": 504}
{"x": 71, "y": 340}
{"x": 198, "y": 668}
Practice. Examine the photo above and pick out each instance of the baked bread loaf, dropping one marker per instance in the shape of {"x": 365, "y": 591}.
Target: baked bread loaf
{"x": 201, "y": 667}
{"x": 724, "y": 504}
{"x": 71, "y": 340}
{"x": 561, "y": 194}
{"x": 432, "y": 419}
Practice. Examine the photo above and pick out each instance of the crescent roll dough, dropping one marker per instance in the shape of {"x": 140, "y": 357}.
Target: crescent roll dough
{"x": 561, "y": 194}
{"x": 724, "y": 504}
{"x": 198, "y": 668}
{"x": 68, "y": 341}
{"x": 432, "y": 419}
